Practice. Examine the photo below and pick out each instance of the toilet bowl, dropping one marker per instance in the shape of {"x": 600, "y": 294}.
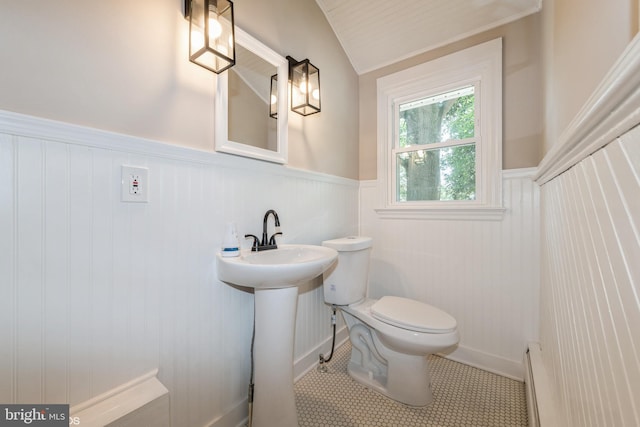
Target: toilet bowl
{"x": 391, "y": 336}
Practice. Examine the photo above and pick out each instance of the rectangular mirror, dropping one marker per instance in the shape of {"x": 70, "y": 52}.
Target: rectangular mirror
{"x": 243, "y": 98}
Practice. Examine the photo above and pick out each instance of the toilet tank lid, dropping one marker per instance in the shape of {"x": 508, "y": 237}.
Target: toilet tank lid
{"x": 349, "y": 243}
{"x": 413, "y": 315}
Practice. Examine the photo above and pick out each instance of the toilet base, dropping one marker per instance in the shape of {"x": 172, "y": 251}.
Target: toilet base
{"x": 401, "y": 377}
{"x": 416, "y": 391}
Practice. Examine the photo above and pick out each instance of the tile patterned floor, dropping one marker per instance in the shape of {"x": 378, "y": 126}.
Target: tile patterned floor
{"x": 463, "y": 396}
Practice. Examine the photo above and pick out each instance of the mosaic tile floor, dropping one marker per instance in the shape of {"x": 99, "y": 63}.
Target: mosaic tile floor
{"x": 462, "y": 396}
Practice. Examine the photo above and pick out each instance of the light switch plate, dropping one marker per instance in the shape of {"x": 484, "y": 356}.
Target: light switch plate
{"x": 135, "y": 184}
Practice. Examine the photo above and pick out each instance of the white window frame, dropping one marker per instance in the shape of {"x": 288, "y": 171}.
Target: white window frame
{"x": 479, "y": 65}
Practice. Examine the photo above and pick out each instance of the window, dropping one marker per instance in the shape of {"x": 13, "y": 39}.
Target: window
{"x": 440, "y": 137}
{"x": 435, "y": 147}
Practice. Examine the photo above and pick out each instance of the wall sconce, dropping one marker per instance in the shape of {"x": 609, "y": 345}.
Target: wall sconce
{"x": 305, "y": 87}
{"x": 273, "y": 101}
{"x": 211, "y": 34}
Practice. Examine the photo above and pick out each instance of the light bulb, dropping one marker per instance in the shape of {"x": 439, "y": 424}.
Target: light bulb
{"x": 303, "y": 83}
{"x": 197, "y": 40}
{"x": 215, "y": 29}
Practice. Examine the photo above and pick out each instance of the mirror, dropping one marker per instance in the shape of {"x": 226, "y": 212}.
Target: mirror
{"x": 243, "y": 96}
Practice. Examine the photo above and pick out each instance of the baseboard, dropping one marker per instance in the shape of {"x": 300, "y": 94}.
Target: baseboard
{"x": 540, "y": 402}
{"x": 236, "y": 417}
{"x": 310, "y": 360}
{"x": 530, "y": 389}
{"x": 488, "y": 362}
{"x": 468, "y": 356}
{"x": 155, "y": 413}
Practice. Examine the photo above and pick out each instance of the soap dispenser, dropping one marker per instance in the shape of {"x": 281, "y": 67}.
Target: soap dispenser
{"x": 230, "y": 241}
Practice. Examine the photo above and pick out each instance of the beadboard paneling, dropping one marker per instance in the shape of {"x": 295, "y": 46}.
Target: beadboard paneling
{"x": 418, "y": 26}
{"x": 590, "y": 303}
{"x": 590, "y": 296}
{"x": 96, "y": 292}
{"x": 484, "y": 273}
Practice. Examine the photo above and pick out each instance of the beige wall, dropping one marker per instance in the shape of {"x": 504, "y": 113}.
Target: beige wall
{"x": 328, "y": 141}
{"x": 522, "y": 94}
{"x": 122, "y": 66}
{"x": 582, "y": 40}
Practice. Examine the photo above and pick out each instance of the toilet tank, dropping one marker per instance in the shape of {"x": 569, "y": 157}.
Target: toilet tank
{"x": 346, "y": 282}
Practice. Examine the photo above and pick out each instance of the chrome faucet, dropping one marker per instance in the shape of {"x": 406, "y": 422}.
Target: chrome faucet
{"x": 267, "y": 242}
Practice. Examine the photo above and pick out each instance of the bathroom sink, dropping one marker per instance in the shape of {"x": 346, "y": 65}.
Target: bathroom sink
{"x": 274, "y": 274}
{"x": 287, "y": 266}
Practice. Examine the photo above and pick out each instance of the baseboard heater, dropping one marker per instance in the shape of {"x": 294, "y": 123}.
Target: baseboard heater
{"x": 540, "y": 405}
{"x": 141, "y": 401}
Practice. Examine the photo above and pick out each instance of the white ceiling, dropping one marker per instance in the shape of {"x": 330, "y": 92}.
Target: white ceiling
{"x": 254, "y": 71}
{"x": 375, "y": 33}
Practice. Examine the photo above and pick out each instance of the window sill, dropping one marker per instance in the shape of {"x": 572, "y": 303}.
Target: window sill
{"x": 475, "y": 213}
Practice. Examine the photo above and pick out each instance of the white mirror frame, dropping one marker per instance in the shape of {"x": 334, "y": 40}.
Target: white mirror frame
{"x": 222, "y": 142}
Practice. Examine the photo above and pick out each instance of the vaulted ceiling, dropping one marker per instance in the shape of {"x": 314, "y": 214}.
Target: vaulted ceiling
{"x": 375, "y": 33}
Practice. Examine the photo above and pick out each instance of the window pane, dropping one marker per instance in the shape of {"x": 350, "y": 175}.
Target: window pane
{"x": 450, "y": 115}
{"x": 440, "y": 174}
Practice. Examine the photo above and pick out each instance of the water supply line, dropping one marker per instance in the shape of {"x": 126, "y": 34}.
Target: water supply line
{"x": 323, "y": 360}
{"x": 250, "y": 395}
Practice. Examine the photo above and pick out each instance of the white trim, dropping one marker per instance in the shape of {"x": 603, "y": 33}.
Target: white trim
{"x": 51, "y": 130}
{"x": 120, "y": 401}
{"x": 519, "y": 173}
{"x": 368, "y": 183}
{"x": 540, "y": 397}
{"x": 222, "y": 142}
{"x": 488, "y": 362}
{"x": 236, "y": 417}
{"x": 530, "y": 391}
{"x": 447, "y": 213}
{"x": 612, "y": 110}
{"x": 443, "y": 213}
{"x": 482, "y": 62}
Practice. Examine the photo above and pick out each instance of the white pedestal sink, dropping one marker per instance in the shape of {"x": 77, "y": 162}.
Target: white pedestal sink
{"x": 275, "y": 275}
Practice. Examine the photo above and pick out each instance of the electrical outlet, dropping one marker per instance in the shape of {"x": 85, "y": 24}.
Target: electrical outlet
{"x": 135, "y": 184}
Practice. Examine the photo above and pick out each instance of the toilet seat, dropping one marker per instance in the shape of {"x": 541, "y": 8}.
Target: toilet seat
{"x": 412, "y": 315}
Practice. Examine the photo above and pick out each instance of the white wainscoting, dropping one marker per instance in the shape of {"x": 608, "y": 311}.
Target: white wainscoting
{"x": 96, "y": 292}
{"x": 590, "y": 284}
{"x": 590, "y": 329}
{"x": 484, "y": 273}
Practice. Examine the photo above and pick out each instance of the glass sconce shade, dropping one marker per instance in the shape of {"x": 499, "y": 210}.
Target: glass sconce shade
{"x": 212, "y": 39}
{"x": 273, "y": 98}
{"x": 305, "y": 87}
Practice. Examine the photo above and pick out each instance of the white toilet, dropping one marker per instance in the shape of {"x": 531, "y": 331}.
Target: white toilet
{"x": 390, "y": 337}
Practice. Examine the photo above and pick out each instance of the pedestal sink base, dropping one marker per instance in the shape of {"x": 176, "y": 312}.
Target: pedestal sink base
{"x": 275, "y": 318}
{"x": 275, "y": 275}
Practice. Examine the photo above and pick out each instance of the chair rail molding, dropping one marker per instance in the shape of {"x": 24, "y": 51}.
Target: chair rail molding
{"x": 612, "y": 110}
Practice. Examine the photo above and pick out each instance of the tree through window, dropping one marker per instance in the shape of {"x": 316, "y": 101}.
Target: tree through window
{"x": 436, "y": 140}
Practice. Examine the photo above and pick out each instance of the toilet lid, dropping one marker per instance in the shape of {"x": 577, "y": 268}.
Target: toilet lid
{"x": 412, "y": 315}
